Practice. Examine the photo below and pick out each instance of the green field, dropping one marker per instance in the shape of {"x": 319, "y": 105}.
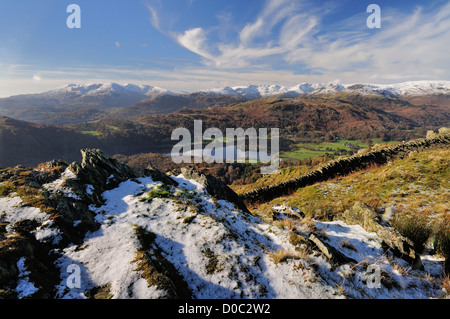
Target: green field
{"x": 336, "y": 149}
{"x": 93, "y": 133}
{"x": 311, "y": 150}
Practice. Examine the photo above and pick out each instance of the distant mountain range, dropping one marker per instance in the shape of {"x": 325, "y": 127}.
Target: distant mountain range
{"x": 413, "y": 88}
{"x": 99, "y": 95}
{"x": 116, "y": 95}
{"x": 76, "y": 104}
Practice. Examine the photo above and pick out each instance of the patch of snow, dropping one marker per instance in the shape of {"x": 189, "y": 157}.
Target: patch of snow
{"x": 110, "y": 178}
{"x": 24, "y": 288}
{"x": 189, "y": 185}
{"x": 12, "y": 212}
{"x": 58, "y": 186}
{"x": 365, "y": 247}
{"x": 89, "y": 189}
{"x": 45, "y": 233}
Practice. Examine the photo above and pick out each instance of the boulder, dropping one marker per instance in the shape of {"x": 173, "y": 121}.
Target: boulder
{"x": 334, "y": 256}
{"x": 444, "y": 130}
{"x": 431, "y": 134}
{"x": 281, "y": 212}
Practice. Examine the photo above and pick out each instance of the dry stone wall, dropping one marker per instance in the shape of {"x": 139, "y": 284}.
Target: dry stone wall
{"x": 344, "y": 167}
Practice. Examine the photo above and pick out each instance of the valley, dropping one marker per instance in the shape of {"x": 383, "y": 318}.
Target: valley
{"x": 361, "y": 191}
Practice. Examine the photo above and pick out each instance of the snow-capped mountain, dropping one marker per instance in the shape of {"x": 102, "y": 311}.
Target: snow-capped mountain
{"x": 107, "y": 88}
{"x": 80, "y": 103}
{"x": 96, "y": 96}
{"x": 412, "y": 88}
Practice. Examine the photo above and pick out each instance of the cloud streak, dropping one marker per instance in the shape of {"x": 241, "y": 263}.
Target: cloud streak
{"x": 288, "y": 42}
{"x": 408, "y": 44}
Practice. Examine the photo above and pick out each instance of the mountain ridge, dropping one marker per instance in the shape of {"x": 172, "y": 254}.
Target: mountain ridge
{"x": 411, "y": 88}
{"x": 76, "y": 103}
{"x": 264, "y": 90}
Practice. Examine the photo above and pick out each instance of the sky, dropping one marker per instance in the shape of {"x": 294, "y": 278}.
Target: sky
{"x": 188, "y": 45}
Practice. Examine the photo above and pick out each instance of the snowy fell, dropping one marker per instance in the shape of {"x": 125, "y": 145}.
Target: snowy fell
{"x": 95, "y": 95}
{"x": 107, "y": 89}
{"x": 412, "y": 88}
{"x": 99, "y": 230}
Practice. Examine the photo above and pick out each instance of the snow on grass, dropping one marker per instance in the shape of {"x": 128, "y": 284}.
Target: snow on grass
{"x": 106, "y": 258}
{"x": 222, "y": 252}
{"x": 12, "y": 212}
{"x": 107, "y": 255}
{"x": 58, "y": 186}
{"x": 352, "y": 240}
{"x": 377, "y": 274}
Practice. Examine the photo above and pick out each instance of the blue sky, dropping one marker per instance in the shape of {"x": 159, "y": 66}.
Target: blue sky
{"x": 186, "y": 45}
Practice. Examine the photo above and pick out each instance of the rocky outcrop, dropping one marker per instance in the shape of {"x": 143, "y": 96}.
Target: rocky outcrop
{"x": 104, "y": 173}
{"x": 100, "y": 171}
{"x": 363, "y": 215}
{"x": 214, "y": 187}
{"x": 343, "y": 167}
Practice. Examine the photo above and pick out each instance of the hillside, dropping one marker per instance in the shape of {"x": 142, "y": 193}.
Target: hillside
{"x": 28, "y": 144}
{"x": 188, "y": 236}
{"x": 75, "y": 104}
{"x": 24, "y": 143}
{"x": 348, "y": 165}
{"x": 166, "y": 104}
{"x": 410, "y": 191}
{"x": 304, "y": 120}
{"x": 316, "y": 118}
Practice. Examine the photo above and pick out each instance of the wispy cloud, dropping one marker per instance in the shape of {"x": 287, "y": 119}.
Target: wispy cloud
{"x": 409, "y": 43}
{"x": 250, "y": 48}
{"x": 286, "y": 43}
{"x": 154, "y": 18}
{"x": 195, "y": 40}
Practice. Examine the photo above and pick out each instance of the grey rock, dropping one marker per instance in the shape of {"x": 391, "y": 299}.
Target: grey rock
{"x": 214, "y": 187}
{"x": 364, "y": 215}
{"x": 334, "y": 256}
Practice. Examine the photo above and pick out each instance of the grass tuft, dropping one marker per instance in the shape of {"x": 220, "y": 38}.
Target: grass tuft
{"x": 415, "y": 227}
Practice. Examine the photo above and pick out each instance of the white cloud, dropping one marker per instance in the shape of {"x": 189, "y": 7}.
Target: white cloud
{"x": 194, "y": 40}
{"x": 409, "y": 43}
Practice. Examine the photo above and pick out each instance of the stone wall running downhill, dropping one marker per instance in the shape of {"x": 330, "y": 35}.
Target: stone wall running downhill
{"x": 344, "y": 167}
